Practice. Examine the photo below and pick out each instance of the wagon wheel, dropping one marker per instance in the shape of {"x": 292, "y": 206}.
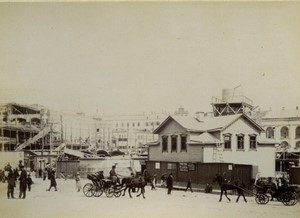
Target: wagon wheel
{"x": 289, "y": 198}
{"x": 109, "y": 192}
{"x": 261, "y": 198}
{"x": 98, "y": 192}
{"x": 118, "y": 192}
{"x": 88, "y": 190}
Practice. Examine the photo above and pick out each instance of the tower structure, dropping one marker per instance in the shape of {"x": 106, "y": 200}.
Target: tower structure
{"x": 231, "y": 102}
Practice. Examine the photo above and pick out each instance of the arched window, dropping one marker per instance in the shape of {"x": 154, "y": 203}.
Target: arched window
{"x": 270, "y": 133}
{"x": 297, "y": 132}
{"x": 284, "y": 132}
{"x": 284, "y": 144}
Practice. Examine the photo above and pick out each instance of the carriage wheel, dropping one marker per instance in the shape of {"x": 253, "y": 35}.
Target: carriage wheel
{"x": 289, "y": 198}
{"x": 98, "y": 192}
{"x": 109, "y": 192}
{"x": 88, "y": 190}
{"x": 117, "y": 192}
{"x": 261, "y": 199}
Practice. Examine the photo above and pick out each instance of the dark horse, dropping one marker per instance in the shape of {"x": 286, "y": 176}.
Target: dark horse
{"x": 132, "y": 183}
{"x": 224, "y": 186}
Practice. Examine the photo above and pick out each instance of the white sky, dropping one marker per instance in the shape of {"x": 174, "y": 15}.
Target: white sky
{"x": 125, "y": 58}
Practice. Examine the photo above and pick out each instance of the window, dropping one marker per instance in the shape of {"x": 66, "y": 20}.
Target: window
{"x": 240, "y": 142}
{"x": 116, "y": 124}
{"x": 165, "y": 143}
{"x": 298, "y": 132}
{"x": 138, "y": 124}
{"x": 298, "y": 145}
{"x": 284, "y": 132}
{"x": 270, "y": 133}
{"x": 97, "y": 130}
{"x": 157, "y": 165}
{"x": 227, "y": 141}
{"x": 183, "y": 142}
{"x": 171, "y": 166}
{"x": 133, "y": 124}
{"x": 252, "y": 139}
{"x": 174, "y": 143}
{"x": 127, "y": 124}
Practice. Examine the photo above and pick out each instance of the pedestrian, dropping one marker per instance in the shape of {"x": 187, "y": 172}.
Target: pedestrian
{"x": 170, "y": 183}
{"x": 40, "y": 173}
{"x": 189, "y": 185}
{"x": 23, "y": 182}
{"x": 78, "y": 183}
{"x": 153, "y": 183}
{"x": 29, "y": 182}
{"x": 52, "y": 181}
{"x": 208, "y": 188}
{"x": 162, "y": 180}
{"x": 45, "y": 174}
{"x": 11, "y": 184}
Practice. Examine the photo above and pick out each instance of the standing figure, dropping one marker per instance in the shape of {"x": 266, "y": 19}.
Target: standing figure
{"x": 45, "y": 174}
{"x": 153, "y": 183}
{"x": 11, "y": 184}
{"x": 170, "y": 183}
{"x": 52, "y": 181}
{"x": 23, "y": 182}
{"x": 189, "y": 185}
{"x": 78, "y": 183}
{"x": 29, "y": 182}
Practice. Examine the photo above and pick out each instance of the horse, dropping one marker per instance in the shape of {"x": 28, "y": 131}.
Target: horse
{"x": 224, "y": 186}
{"x": 132, "y": 182}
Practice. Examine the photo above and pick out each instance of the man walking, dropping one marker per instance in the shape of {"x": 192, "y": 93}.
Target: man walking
{"x": 170, "y": 183}
{"x": 52, "y": 181}
{"x": 189, "y": 185}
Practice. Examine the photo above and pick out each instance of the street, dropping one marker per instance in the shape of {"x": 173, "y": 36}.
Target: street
{"x": 67, "y": 202}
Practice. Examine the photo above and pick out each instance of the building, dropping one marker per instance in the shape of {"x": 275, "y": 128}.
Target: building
{"x": 128, "y": 132}
{"x": 283, "y": 126}
{"x": 234, "y": 139}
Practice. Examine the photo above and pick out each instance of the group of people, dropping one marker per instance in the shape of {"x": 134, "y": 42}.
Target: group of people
{"x": 15, "y": 175}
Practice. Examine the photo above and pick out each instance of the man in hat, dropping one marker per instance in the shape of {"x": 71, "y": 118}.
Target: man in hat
{"x": 112, "y": 174}
{"x": 170, "y": 183}
{"x": 23, "y": 182}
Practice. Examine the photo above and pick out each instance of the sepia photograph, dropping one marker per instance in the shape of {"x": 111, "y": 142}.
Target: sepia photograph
{"x": 149, "y": 109}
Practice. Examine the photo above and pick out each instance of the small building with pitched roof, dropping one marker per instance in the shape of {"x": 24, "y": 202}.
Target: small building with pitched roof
{"x": 234, "y": 139}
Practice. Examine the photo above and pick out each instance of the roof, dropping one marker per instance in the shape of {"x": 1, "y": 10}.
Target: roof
{"x": 192, "y": 124}
{"x": 221, "y": 122}
{"x": 267, "y": 141}
{"x": 74, "y": 153}
{"x": 279, "y": 114}
{"x": 187, "y": 122}
{"x": 204, "y": 138}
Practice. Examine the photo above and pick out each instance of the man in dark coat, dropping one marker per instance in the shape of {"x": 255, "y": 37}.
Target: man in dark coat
{"x": 52, "y": 181}
{"x": 23, "y": 182}
{"x": 170, "y": 183}
{"x": 11, "y": 184}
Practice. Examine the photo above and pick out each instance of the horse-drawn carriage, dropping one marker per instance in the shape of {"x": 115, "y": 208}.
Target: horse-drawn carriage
{"x": 100, "y": 185}
{"x": 263, "y": 191}
{"x": 285, "y": 193}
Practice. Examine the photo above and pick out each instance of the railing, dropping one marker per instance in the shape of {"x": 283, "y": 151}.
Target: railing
{"x": 232, "y": 99}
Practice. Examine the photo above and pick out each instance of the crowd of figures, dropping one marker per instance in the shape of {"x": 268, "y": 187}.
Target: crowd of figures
{"x": 15, "y": 175}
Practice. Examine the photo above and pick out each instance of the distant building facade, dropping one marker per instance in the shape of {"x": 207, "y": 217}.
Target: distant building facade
{"x": 283, "y": 126}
